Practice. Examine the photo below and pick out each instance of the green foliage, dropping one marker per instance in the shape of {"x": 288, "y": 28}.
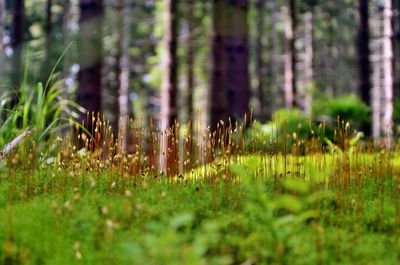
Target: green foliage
{"x": 293, "y": 122}
{"x": 39, "y": 108}
{"x": 396, "y": 114}
{"x": 348, "y": 108}
{"x": 286, "y": 125}
{"x": 252, "y": 218}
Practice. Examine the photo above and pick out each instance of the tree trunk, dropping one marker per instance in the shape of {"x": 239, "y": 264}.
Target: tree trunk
{"x": 219, "y": 100}
{"x": 396, "y": 42}
{"x": 169, "y": 111}
{"x": 17, "y": 41}
{"x": 290, "y": 58}
{"x": 169, "y": 108}
{"x": 48, "y": 30}
{"x": 124, "y": 66}
{"x": 66, "y": 41}
{"x": 230, "y": 80}
{"x": 90, "y": 57}
{"x": 275, "y": 101}
{"x": 388, "y": 71}
{"x": 2, "y": 34}
{"x": 237, "y": 49}
{"x": 308, "y": 61}
{"x": 376, "y": 61}
{"x": 260, "y": 64}
{"x": 331, "y": 60}
{"x": 364, "y": 85}
{"x": 190, "y": 63}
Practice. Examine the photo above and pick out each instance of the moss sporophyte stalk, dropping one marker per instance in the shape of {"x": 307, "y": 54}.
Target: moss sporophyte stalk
{"x": 238, "y": 194}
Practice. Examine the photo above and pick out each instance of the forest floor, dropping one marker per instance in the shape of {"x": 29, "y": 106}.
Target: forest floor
{"x": 316, "y": 209}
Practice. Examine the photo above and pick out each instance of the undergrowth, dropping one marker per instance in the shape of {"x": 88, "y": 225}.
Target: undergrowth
{"x": 231, "y": 196}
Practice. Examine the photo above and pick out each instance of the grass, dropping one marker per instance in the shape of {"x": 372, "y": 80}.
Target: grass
{"x": 219, "y": 198}
{"x": 41, "y": 108}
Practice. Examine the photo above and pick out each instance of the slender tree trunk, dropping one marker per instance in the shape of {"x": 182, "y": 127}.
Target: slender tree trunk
{"x": 66, "y": 42}
{"x": 219, "y": 100}
{"x": 230, "y": 81}
{"x": 237, "y": 49}
{"x": 308, "y": 62}
{"x": 388, "y": 71}
{"x": 48, "y": 31}
{"x": 48, "y": 26}
{"x": 376, "y": 60}
{"x": 169, "y": 108}
{"x": 116, "y": 89}
{"x": 17, "y": 41}
{"x": 364, "y": 85}
{"x": 169, "y": 111}
{"x": 396, "y": 42}
{"x": 292, "y": 12}
{"x": 331, "y": 58}
{"x": 2, "y": 34}
{"x": 190, "y": 63}
{"x": 2, "y": 26}
{"x": 274, "y": 57}
{"x": 90, "y": 57}
{"x": 338, "y": 43}
{"x": 124, "y": 65}
{"x": 260, "y": 64}
{"x": 290, "y": 58}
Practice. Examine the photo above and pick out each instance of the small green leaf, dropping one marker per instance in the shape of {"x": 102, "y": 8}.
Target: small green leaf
{"x": 253, "y": 163}
{"x": 239, "y": 170}
{"x": 181, "y": 220}
{"x": 289, "y": 202}
{"x": 297, "y": 185}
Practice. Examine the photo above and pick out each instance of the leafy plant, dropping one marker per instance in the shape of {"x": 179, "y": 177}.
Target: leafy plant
{"x": 348, "y": 108}
{"x": 286, "y": 128}
{"x": 38, "y": 108}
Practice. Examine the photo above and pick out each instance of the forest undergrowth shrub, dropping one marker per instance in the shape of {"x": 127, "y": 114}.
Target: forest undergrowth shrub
{"x": 346, "y": 108}
{"x": 287, "y": 127}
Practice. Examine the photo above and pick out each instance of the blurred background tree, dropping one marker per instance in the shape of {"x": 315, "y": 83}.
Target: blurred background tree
{"x": 204, "y": 61}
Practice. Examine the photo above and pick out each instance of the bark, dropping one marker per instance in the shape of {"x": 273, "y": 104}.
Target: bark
{"x": 169, "y": 111}
{"x": 169, "y": 108}
{"x": 339, "y": 5}
{"x": 2, "y": 34}
{"x": 363, "y": 51}
{"x": 388, "y": 72}
{"x": 308, "y": 62}
{"x": 17, "y": 41}
{"x": 237, "y": 49}
{"x": 376, "y": 61}
{"x": 66, "y": 40}
{"x": 48, "y": 27}
{"x": 48, "y": 31}
{"x": 275, "y": 103}
{"x": 219, "y": 101}
{"x": 396, "y": 43}
{"x": 2, "y": 25}
{"x": 230, "y": 80}
{"x": 124, "y": 66}
{"x": 190, "y": 63}
{"x": 260, "y": 64}
{"x": 290, "y": 58}
{"x": 331, "y": 60}
{"x": 90, "y": 57}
